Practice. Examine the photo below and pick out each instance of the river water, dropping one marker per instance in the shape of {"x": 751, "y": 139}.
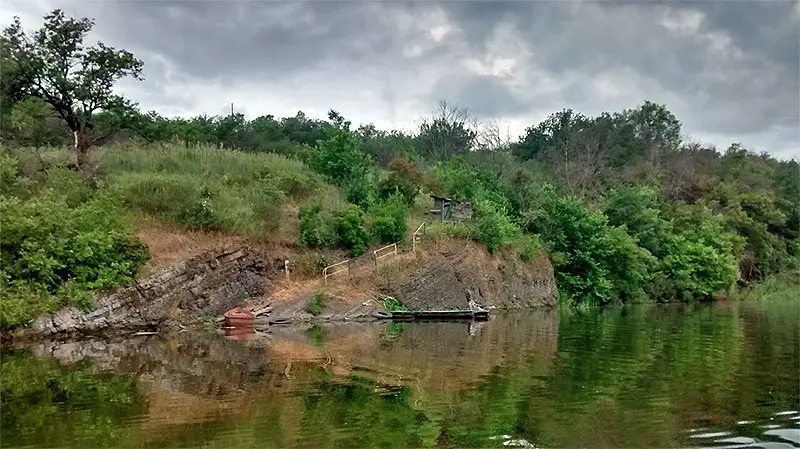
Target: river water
{"x": 718, "y": 375}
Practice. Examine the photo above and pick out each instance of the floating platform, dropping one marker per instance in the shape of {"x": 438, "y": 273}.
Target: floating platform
{"x": 478, "y": 315}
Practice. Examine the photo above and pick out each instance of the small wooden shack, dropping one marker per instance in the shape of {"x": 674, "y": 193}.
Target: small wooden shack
{"x": 450, "y": 210}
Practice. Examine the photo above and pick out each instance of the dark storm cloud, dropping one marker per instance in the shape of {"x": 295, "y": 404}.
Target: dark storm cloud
{"x": 726, "y": 68}
{"x": 485, "y": 96}
{"x": 757, "y": 72}
{"x": 210, "y": 39}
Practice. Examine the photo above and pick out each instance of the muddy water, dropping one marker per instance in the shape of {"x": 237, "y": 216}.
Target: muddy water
{"x": 724, "y": 375}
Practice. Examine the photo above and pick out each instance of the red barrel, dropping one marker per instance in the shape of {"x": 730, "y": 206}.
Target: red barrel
{"x": 239, "y": 317}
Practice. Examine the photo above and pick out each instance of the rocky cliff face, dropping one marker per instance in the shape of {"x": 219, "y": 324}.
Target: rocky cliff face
{"x": 438, "y": 277}
{"x": 210, "y": 283}
{"x": 449, "y": 276}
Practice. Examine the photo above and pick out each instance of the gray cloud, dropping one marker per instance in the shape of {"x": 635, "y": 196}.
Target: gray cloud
{"x": 485, "y": 96}
{"x": 729, "y": 70}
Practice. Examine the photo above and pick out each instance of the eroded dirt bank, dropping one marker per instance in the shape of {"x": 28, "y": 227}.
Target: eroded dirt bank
{"x": 440, "y": 276}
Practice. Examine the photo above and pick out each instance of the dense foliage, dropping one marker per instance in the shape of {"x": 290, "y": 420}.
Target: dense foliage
{"x": 56, "y": 247}
{"x": 625, "y": 208}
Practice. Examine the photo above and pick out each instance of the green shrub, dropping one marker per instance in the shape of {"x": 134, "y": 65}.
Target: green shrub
{"x": 252, "y": 210}
{"x": 783, "y": 287}
{"x": 313, "y": 229}
{"x": 310, "y": 264}
{"x": 405, "y": 178}
{"x": 9, "y": 174}
{"x": 594, "y": 262}
{"x": 361, "y": 192}
{"x": 68, "y": 185}
{"x": 339, "y": 157}
{"x": 209, "y": 188}
{"x": 701, "y": 255}
{"x": 532, "y": 245}
{"x": 316, "y": 304}
{"x": 494, "y": 227}
{"x": 160, "y": 194}
{"x": 299, "y": 185}
{"x": 350, "y": 231}
{"x": 266, "y": 202}
{"x": 389, "y": 220}
{"x": 177, "y": 198}
{"x": 48, "y": 249}
{"x": 392, "y": 304}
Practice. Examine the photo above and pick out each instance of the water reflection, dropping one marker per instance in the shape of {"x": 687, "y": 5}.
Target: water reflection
{"x": 638, "y": 377}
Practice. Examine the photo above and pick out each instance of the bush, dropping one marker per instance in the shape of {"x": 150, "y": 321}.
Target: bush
{"x": 9, "y": 175}
{"x": 266, "y": 201}
{"x": 389, "y": 220}
{"x": 244, "y": 192}
{"x": 594, "y": 262}
{"x": 50, "y": 249}
{"x": 494, "y": 227}
{"x": 173, "y": 197}
{"x": 316, "y": 304}
{"x": 200, "y": 204}
{"x": 313, "y": 230}
{"x": 310, "y": 264}
{"x": 405, "y": 179}
{"x": 700, "y": 257}
{"x": 361, "y": 192}
{"x": 350, "y": 231}
{"x": 339, "y": 157}
{"x": 532, "y": 245}
{"x": 68, "y": 185}
{"x": 392, "y": 304}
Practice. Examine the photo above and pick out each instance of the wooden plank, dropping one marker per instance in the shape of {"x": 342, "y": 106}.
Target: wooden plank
{"x": 439, "y": 314}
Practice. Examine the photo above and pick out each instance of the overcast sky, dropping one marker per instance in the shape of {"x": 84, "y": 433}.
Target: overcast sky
{"x": 728, "y": 69}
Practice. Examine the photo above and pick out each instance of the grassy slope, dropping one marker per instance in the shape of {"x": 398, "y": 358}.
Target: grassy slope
{"x": 182, "y": 201}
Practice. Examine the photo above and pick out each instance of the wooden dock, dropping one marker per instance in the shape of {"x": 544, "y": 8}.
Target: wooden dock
{"x": 407, "y": 315}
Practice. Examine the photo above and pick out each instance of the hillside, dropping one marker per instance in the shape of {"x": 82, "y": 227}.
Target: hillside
{"x": 691, "y": 225}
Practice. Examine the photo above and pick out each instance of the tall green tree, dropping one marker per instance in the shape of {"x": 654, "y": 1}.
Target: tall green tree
{"x": 448, "y": 132}
{"x": 657, "y": 128}
{"x": 77, "y": 81}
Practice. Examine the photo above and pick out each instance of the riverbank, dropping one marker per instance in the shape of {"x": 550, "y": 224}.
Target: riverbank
{"x": 444, "y": 275}
{"x": 70, "y": 239}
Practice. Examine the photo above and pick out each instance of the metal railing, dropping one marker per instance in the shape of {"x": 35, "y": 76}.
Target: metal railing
{"x": 326, "y": 274}
{"x": 416, "y": 237}
{"x": 392, "y": 251}
{"x": 378, "y": 254}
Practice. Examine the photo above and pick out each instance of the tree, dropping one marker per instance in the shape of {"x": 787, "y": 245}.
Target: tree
{"x": 553, "y": 133}
{"x": 657, "y": 128}
{"x": 32, "y": 122}
{"x": 75, "y": 80}
{"x": 339, "y": 156}
{"x": 405, "y": 179}
{"x": 446, "y": 133}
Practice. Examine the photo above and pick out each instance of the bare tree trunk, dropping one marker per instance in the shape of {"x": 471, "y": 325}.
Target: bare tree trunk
{"x": 82, "y": 145}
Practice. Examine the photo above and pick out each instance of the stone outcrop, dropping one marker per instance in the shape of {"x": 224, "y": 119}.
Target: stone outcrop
{"x": 210, "y": 283}
{"x": 439, "y": 277}
{"x": 449, "y": 277}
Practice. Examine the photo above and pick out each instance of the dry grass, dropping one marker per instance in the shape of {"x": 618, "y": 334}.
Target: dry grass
{"x": 171, "y": 243}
